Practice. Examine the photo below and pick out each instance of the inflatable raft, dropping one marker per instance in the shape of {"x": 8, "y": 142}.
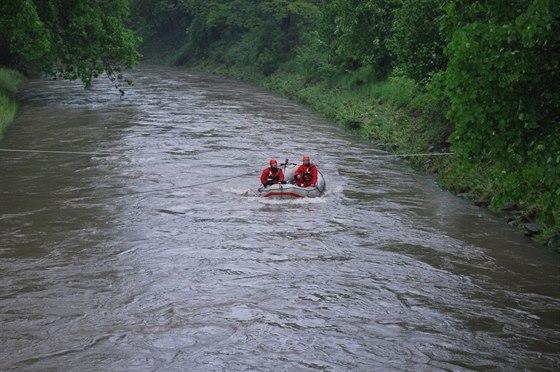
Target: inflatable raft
{"x": 289, "y": 190}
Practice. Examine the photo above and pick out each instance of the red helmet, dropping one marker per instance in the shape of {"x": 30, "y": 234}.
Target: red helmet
{"x": 273, "y": 163}
{"x": 306, "y": 158}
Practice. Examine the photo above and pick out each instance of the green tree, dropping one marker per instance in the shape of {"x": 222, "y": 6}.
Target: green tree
{"x": 68, "y": 39}
{"x": 361, "y": 29}
{"x": 160, "y": 17}
{"x": 503, "y": 81}
{"x": 283, "y": 24}
{"x": 416, "y": 42}
{"x": 212, "y": 26}
{"x": 260, "y": 33}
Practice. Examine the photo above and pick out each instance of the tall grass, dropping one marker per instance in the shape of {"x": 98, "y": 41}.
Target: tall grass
{"x": 10, "y": 81}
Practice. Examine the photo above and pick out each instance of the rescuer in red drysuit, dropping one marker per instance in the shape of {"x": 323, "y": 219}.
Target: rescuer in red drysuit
{"x": 272, "y": 174}
{"x": 306, "y": 174}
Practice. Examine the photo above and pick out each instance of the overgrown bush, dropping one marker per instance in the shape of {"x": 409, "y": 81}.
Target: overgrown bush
{"x": 10, "y": 81}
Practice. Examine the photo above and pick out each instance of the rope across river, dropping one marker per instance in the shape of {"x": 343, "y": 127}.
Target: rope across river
{"x": 59, "y": 152}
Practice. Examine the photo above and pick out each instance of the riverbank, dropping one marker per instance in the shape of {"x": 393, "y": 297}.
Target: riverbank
{"x": 398, "y": 117}
{"x": 10, "y": 82}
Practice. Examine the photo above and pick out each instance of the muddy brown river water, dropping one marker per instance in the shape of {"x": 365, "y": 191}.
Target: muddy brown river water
{"x": 114, "y": 256}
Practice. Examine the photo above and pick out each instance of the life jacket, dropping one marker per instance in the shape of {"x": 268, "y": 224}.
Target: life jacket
{"x": 274, "y": 176}
{"x": 306, "y": 175}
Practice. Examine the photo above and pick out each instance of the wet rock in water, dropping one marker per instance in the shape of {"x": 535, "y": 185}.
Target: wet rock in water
{"x": 532, "y": 228}
{"x": 509, "y": 207}
{"x": 508, "y": 211}
{"x": 482, "y": 203}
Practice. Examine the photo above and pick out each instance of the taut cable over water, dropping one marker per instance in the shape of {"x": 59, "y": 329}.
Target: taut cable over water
{"x": 60, "y": 152}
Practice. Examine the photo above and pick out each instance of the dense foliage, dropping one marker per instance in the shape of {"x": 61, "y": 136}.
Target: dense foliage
{"x": 416, "y": 41}
{"x": 235, "y": 32}
{"x": 68, "y": 39}
{"x": 361, "y": 31}
{"x": 10, "y": 80}
{"x": 504, "y": 85}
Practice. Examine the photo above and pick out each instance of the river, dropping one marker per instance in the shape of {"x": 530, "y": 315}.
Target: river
{"x": 142, "y": 245}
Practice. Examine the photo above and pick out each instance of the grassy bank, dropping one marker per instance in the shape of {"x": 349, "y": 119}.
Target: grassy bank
{"x": 10, "y": 81}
